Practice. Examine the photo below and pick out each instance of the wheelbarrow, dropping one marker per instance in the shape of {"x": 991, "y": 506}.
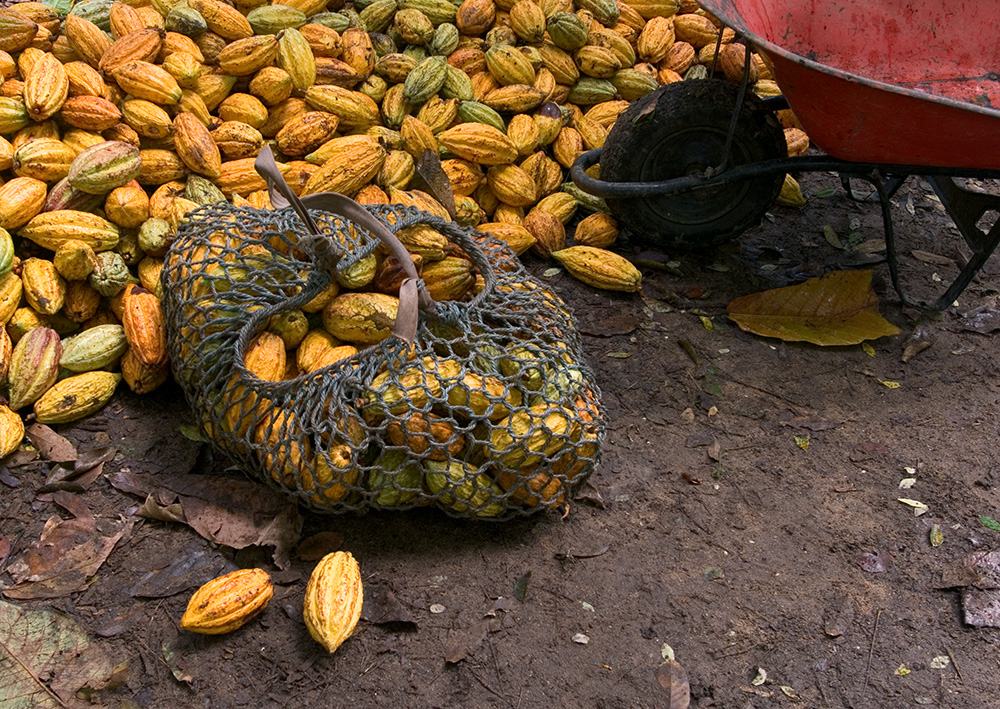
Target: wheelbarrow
{"x": 887, "y": 90}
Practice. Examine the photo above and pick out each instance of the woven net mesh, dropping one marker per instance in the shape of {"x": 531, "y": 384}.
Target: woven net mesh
{"x": 493, "y": 413}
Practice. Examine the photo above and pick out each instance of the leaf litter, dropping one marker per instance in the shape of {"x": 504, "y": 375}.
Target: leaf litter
{"x": 236, "y": 513}
{"x": 66, "y": 556}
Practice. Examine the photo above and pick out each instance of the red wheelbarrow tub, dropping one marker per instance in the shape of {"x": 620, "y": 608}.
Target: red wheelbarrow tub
{"x": 907, "y": 82}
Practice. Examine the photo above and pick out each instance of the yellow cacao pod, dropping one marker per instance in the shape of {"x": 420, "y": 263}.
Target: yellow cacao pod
{"x": 147, "y": 81}
{"x": 46, "y": 87}
{"x": 598, "y": 229}
{"x": 228, "y": 602}
{"x": 50, "y": 229}
{"x": 480, "y": 143}
{"x": 361, "y": 318}
{"x": 11, "y": 431}
{"x": 75, "y": 397}
{"x": 195, "y": 146}
{"x": 334, "y": 596}
{"x": 22, "y": 198}
{"x": 600, "y": 268}
{"x": 44, "y": 288}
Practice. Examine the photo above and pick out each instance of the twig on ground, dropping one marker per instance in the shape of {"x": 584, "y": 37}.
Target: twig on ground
{"x": 871, "y": 653}
{"x": 954, "y": 664}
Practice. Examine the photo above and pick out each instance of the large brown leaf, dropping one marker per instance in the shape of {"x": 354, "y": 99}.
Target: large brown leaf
{"x": 839, "y": 308}
{"x": 46, "y": 658}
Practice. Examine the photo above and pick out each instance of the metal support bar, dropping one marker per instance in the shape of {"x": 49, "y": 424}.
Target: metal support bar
{"x": 802, "y": 163}
{"x": 875, "y": 179}
{"x": 776, "y": 103}
{"x": 891, "y": 186}
{"x": 736, "y": 110}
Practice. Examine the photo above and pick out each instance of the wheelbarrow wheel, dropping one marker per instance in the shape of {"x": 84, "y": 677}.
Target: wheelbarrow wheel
{"x": 678, "y": 130}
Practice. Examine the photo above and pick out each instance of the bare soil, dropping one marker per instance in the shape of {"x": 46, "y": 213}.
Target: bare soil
{"x": 744, "y": 517}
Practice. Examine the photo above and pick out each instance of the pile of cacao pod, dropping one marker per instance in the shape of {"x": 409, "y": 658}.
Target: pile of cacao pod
{"x": 119, "y": 118}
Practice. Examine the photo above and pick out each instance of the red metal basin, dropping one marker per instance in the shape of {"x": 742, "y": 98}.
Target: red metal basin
{"x": 911, "y": 82}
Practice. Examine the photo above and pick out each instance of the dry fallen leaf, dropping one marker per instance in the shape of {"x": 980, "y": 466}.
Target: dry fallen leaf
{"x": 65, "y": 557}
{"x": 672, "y": 677}
{"x": 840, "y": 308}
{"x": 918, "y": 507}
{"x": 237, "y": 513}
{"x": 46, "y": 658}
{"x": 50, "y": 444}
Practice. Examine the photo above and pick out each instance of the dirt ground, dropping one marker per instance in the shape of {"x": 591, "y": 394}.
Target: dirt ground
{"x": 744, "y": 518}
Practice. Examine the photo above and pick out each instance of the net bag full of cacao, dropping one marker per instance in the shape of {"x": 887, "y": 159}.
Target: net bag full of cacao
{"x": 378, "y": 356}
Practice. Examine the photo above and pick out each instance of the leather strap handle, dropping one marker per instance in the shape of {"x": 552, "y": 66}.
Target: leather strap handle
{"x": 413, "y": 295}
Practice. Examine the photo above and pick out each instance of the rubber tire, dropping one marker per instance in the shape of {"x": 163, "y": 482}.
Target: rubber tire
{"x": 679, "y": 129}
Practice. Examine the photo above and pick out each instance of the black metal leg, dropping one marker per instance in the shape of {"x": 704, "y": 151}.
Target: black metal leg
{"x": 875, "y": 180}
{"x": 966, "y": 207}
{"x": 890, "y": 236}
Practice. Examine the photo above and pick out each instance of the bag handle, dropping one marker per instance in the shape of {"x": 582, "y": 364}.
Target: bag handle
{"x": 413, "y": 295}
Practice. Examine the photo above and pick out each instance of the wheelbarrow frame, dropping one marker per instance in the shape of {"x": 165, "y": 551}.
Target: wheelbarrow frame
{"x": 964, "y": 206}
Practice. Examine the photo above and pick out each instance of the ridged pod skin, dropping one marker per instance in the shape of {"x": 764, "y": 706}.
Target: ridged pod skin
{"x": 224, "y": 20}
{"x": 45, "y": 88}
{"x": 22, "y": 198}
{"x": 361, "y": 318}
{"x": 248, "y": 55}
{"x": 46, "y": 159}
{"x": 145, "y": 330}
{"x": 11, "y": 431}
{"x": 34, "y": 366}
{"x": 74, "y": 259}
{"x": 140, "y": 377}
{"x": 16, "y": 31}
{"x": 10, "y": 294}
{"x": 226, "y": 603}
{"x": 147, "y": 81}
{"x": 237, "y": 140}
{"x": 44, "y": 288}
{"x": 95, "y": 348}
{"x": 103, "y": 167}
{"x": 265, "y": 357}
{"x": 333, "y": 600}
{"x": 480, "y": 143}
{"x": 76, "y": 397}
{"x": 195, "y": 146}
{"x": 351, "y": 162}
{"x": 49, "y": 229}
{"x": 598, "y": 229}
{"x": 90, "y": 113}
{"x": 295, "y": 57}
{"x": 127, "y": 206}
{"x": 600, "y": 268}
{"x": 87, "y": 39}
{"x": 6, "y": 350}
{"x": 143, "y": 44}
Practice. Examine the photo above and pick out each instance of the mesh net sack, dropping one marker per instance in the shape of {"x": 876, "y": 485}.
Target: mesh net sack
{"x": 489, "y": 414}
